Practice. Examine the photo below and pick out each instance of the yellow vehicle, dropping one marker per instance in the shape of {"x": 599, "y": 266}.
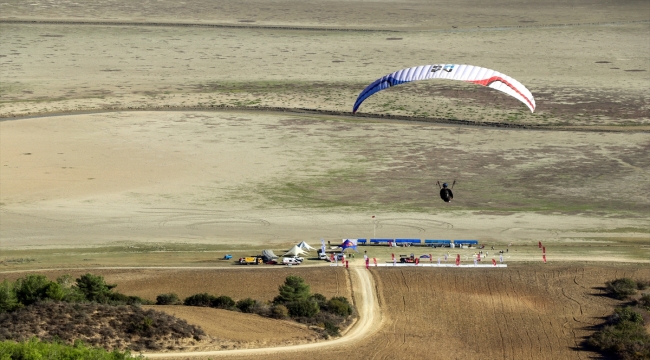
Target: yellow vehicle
{"x": 251, "y": 260}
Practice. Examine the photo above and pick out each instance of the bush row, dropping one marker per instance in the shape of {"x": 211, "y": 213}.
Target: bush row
{"x": 87, "y": 288}
{"x": 625, "y": 287}
{"x": 34, "y": 349}
{"x": 294, "y": 301}
{"x": 624, "y": 333}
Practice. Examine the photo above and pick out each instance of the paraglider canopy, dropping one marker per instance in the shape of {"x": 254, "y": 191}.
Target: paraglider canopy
{"x": 468, "y": 73}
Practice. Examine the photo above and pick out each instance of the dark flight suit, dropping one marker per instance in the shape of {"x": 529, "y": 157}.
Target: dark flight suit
{"x": 446, "y": 195}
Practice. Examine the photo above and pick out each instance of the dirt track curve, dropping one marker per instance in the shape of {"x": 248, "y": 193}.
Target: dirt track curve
{"x": 365, "y": 299}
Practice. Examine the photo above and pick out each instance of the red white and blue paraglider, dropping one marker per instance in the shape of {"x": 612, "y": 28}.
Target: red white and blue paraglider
{"x": 467, "y": 73}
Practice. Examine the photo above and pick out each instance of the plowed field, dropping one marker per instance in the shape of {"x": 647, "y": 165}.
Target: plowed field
{"x": 260, "y": 283}
{"x": 531, "y": 312}
{"x": 519, "y": 313}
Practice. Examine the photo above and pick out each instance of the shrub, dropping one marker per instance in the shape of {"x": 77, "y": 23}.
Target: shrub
{"x": 320, "y": 299}
{"x": 31, "y": 289}
{"x": 73, "y": 294}
{"x": 261, "y": 309}
{"x": 625, "y": 336}
{"x": 54, "y": 291}
{"x": 303, "y": 308}
{"x": 279, "y": 311}
{"x": 94, "y": 288}
{"x": 339, "y": 307}
{"x": 331, "y": 329}
{"x": 342, "y": 298}
{"x": 121, "y": 299}
{"x": 293, "y": 289}
{"x": 644, "y": 302}
{"x": 621, "y": 288}
{"x": 204, "y": 299}
{"x": 627, "y": 340}
{"x": 625, "y": 314}
{"x": 167, "y": 299}
{"x": 8, "y": 301}
{"x": 223, "y": 302}
{"x": 35, "y": 349}
{"x": 246, "y": 305}
{"x": 66, "y": 281}
{"x": 642, "y": 284}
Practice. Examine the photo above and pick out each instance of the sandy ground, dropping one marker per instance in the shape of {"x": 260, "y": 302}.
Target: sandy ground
{"x": 223, "y": 178}
{"x": 580, "y": 74}
{"x": 347, "y": 14}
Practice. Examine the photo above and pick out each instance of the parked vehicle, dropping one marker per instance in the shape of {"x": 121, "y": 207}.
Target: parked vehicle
{"x": 322, "y": 255}
{"x": 251, "y": 260}
{"x": 290, "y": 261}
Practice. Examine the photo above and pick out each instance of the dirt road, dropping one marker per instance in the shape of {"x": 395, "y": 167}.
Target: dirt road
{"x": 369, "y": 322}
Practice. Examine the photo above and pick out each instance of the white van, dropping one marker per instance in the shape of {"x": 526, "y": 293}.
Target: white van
{"x": 290, "y": 261}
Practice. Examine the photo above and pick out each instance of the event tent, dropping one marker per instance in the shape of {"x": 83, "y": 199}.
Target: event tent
{"x": 295, "y": 251}
{"x": 349, "y": 244}
{"x": 268, "y": 255}
{"x": 303, "y": 245}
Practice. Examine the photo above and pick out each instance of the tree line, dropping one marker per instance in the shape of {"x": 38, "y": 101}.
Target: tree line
{"x": 294, "y": 301}
{"x": 66, "y": 310}
{"x": 87, "y": 288}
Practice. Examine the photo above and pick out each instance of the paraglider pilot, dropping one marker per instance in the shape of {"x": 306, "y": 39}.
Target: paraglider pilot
{"x": 445, "y": 192}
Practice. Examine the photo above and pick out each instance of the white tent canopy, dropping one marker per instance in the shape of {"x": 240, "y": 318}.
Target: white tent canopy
{"x": 295, "y": 251}
{"x": 303, "y": 245}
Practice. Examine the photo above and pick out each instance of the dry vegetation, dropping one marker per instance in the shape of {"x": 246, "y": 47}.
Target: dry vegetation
{"x": 107, "y": 326}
